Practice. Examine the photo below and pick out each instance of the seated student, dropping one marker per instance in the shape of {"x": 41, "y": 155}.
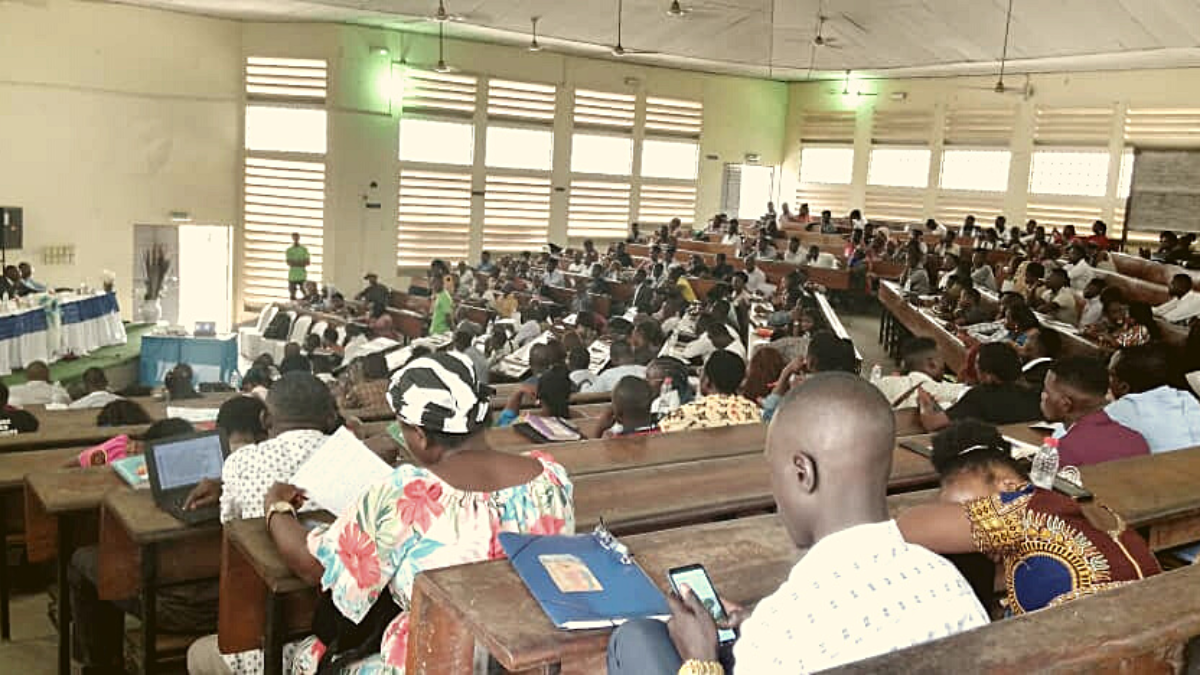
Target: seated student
{"x": 464, "y": 343}
{"x": 1058, "y": 300}
{"x": 14, "y": 420}
{"x": 97, "y": 395}
{"x": 241, "y": 418}
{"x": 677, "y": 280}
{"x": 99, "y": 625}
{"x": 1040, "y": 352}
{"x": 178, "y": 383}
{"x": 621, "y": 363}
{"x": 37, "y": 389}
{"x": 122, "y": 412}
{"x": 553, "y": 396}
{"x": 1184, "y": 304}
{"x": 1168, "y": 418}
{"x": 1006, "y": 518}
{"x": 468, "y": 493}
{"x": 670, "y": 383}
{"x": 826, "y": 353}
{"x": 794, "y": 255}
{"x": 1124, "y": 325}
{"x": 647, "y": 340}
{"x": 997, "y": 399}
{"x": 923, "y": 369}
{"x": 817, "y": 258}
{"x": 981, "y": 272}
{"x": 721, "y": 268}
{"x": 717, "y": 335}
{"x": 851, "y": 595}
{"x": 1078, "y": 269}
{"x": 915, "y": 280}
{"x": 1075, "y": 394}
{"x": 631, "y": 414}
{"x": 720, "y": 405}
{"x": 697, "y": 268}
{"x": 756, "y": 279}
{"x": 970, "y": 310}
{"x": 578, "y": 361}
{"x": 762, "y": 373}
{"x": 1093, "y": 308}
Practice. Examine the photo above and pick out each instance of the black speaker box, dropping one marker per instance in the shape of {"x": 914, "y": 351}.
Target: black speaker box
{"x": 11, "y": 227}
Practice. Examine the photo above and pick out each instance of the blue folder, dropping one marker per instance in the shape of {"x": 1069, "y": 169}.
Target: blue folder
{"x": 627, "y": 592}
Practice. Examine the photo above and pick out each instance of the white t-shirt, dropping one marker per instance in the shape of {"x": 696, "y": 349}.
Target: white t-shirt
{"x": 856, "y": 594}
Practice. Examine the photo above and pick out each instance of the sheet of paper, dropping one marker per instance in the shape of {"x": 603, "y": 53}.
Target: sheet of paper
{"x": 338, "y": 472}
{"x": 193, "y": 415}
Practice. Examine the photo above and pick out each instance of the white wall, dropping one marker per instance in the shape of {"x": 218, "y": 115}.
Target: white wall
{"x": 111, "y": 116}
{"x": 1119, "y": 91}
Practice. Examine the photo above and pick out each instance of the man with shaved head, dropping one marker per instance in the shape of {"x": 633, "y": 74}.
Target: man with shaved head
{"x": 859, "y": 591}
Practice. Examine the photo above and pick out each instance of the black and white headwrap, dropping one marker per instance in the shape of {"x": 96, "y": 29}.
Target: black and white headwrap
{"x": 439, "y": 392}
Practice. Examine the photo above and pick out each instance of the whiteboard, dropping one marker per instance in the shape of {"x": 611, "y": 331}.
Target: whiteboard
{"x": 1165, "y": 191}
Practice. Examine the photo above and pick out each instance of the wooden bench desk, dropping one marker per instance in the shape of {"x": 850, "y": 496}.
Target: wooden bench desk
{"x": 53, "y": 435}
{"x": 1155, "y": 493}
{"x": 260, "y": 585}
{"x": 454, "y": 607}
{"x": 58, "y": 505}
{"x": 14, "y": 466}
{"x": 1138, "y": 628}
{"x": 142, "y": 548}
{"x": 900, "y": 312}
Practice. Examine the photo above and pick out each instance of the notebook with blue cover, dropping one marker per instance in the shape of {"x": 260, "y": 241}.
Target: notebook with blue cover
{"x": 133, "y": 471}
{"x": 584, "y": 581}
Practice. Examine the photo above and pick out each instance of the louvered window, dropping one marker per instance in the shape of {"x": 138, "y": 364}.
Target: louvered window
{"x": 1057, "y": 212}
{"x": 827, "y": 126}
{"x": 1163, "y": 128}
{"x": 895, "y": 204}
{"x": 899, "y": 167}
{"x": 437, "y": 153}
{"x": 284, "y": 172}
{"x": 439, "y": 94}
{"x": 516, "y": 213}
{"x": 598, "y": 206}
{"x": 953, "y": 208}
{"x": 1082, "y": 173}
{"x": 434, "y": 217}
{"x": 825, "y": 175}
{"x": 988, "y": 127}
{"x": 975, "y": 170}
{"x": 302, "y": 80}
{"x": 282, "y": 198}
{"x": 524, "y": 101}
{"x": 674, "y": 117}
{"x": 902, "y": 127}
{"x": 1073, "y": 126}
{"x": 599, "y": 209}
{"x": 660, "y": 203}
{"x": 670, "y": 161}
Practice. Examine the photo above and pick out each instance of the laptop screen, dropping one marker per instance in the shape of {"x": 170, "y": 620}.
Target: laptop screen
{"x": 188, "y": 460}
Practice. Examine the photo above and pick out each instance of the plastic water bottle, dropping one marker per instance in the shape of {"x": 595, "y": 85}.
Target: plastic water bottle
{"x": 876, "y": 374}
{"x": 1045, "y": 464}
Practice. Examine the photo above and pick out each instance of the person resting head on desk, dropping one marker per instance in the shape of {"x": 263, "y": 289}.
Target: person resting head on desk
{"x": 1007, "y": 519}
{"x": 849, "y": 596}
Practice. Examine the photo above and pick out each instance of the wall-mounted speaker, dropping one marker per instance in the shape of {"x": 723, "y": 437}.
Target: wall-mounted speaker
{"x": 11, "y": 227}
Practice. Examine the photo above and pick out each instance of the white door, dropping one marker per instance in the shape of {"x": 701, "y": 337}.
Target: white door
{"x": 205, "y": 275}
{"x": 757, "y": 188}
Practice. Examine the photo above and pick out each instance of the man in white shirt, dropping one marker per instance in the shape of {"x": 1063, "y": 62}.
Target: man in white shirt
{"x": 981, "y": 272}
{"x": 818, "y": 258}
{"x": 793, "y": 254}
{"x": 851, "y": 596}
{"x": 756, "y": 279}
{"x": 37, "y": 390}
{"x": 718, "y": 335}
{"x": 1093, "y": 307}
{"x": 1058, "y": 300}
{"x": 1079, "y": 272}
{"x": 95, "y": 382}
{"x": 621, "y": 364}
{"x": 1168, "y": 418}
{"x": 1184, "y": 303}
{"x": 924, "y": 369}
{"x": 554, "y": 276}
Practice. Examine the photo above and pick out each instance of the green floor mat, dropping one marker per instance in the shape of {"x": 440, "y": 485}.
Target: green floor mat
{"x": 106, "y": 357}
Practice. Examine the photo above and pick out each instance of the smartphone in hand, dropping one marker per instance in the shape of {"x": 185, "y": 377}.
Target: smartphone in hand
{"x": 695, "y": 578}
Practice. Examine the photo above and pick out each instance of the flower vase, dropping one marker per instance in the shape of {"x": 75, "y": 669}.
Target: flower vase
{"x": 150, "y": 311}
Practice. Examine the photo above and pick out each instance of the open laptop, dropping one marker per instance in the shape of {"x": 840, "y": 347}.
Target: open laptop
{"x": 205, "y": 329}
{"x": 178, "y": 464}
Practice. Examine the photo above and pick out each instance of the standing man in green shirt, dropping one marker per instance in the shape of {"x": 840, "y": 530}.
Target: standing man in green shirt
{"x": 297, "y": 260}
{"x": 442, "y": 311}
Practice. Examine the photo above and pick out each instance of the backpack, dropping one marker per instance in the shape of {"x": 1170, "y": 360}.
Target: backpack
{"x": 279, "y": 327}
{"x": 345, "y": 641}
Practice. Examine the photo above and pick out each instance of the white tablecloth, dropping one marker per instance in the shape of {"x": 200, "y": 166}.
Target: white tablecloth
{"x": 77, "y": 325}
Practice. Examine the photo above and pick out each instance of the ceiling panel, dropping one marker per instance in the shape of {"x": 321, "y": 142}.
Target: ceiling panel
{"x": 912, "y": 37}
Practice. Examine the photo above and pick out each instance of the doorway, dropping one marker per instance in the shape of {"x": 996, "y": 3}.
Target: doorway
{"x": 199, "y": 284}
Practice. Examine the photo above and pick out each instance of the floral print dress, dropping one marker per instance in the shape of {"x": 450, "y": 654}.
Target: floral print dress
{"x": 415, "y": 521}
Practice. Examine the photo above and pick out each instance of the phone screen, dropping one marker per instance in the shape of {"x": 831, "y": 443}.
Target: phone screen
{"x": 696, "y": 579}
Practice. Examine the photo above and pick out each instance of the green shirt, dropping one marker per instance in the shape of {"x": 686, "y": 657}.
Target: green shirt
{"x": 442, "y": 313}
{"x": 297, "y": 260}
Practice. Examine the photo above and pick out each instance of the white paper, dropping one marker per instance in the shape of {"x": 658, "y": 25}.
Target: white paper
{"x": 337, "y": 473}
{"x": 193, "y": 415}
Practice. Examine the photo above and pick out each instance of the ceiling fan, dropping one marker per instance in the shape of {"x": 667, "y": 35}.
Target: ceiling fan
{"x": 618, "y": 50}
{"x": 820, "y": 40}
{"x": 1000, "y": 87}
{"x": 533, "y": 42}
{"x": 846, "y": 91}
{"x": 442, "y": 15}
{"x": 441, "y": 66}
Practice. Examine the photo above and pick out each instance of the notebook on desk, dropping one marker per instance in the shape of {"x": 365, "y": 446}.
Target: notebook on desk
{"x": 584, "y": 581}
{"x": 177, "y": 464}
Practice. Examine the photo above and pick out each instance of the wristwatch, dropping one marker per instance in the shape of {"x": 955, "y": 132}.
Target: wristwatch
{"x": 279, "y": 507}
{"x": 696, "y": 667}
